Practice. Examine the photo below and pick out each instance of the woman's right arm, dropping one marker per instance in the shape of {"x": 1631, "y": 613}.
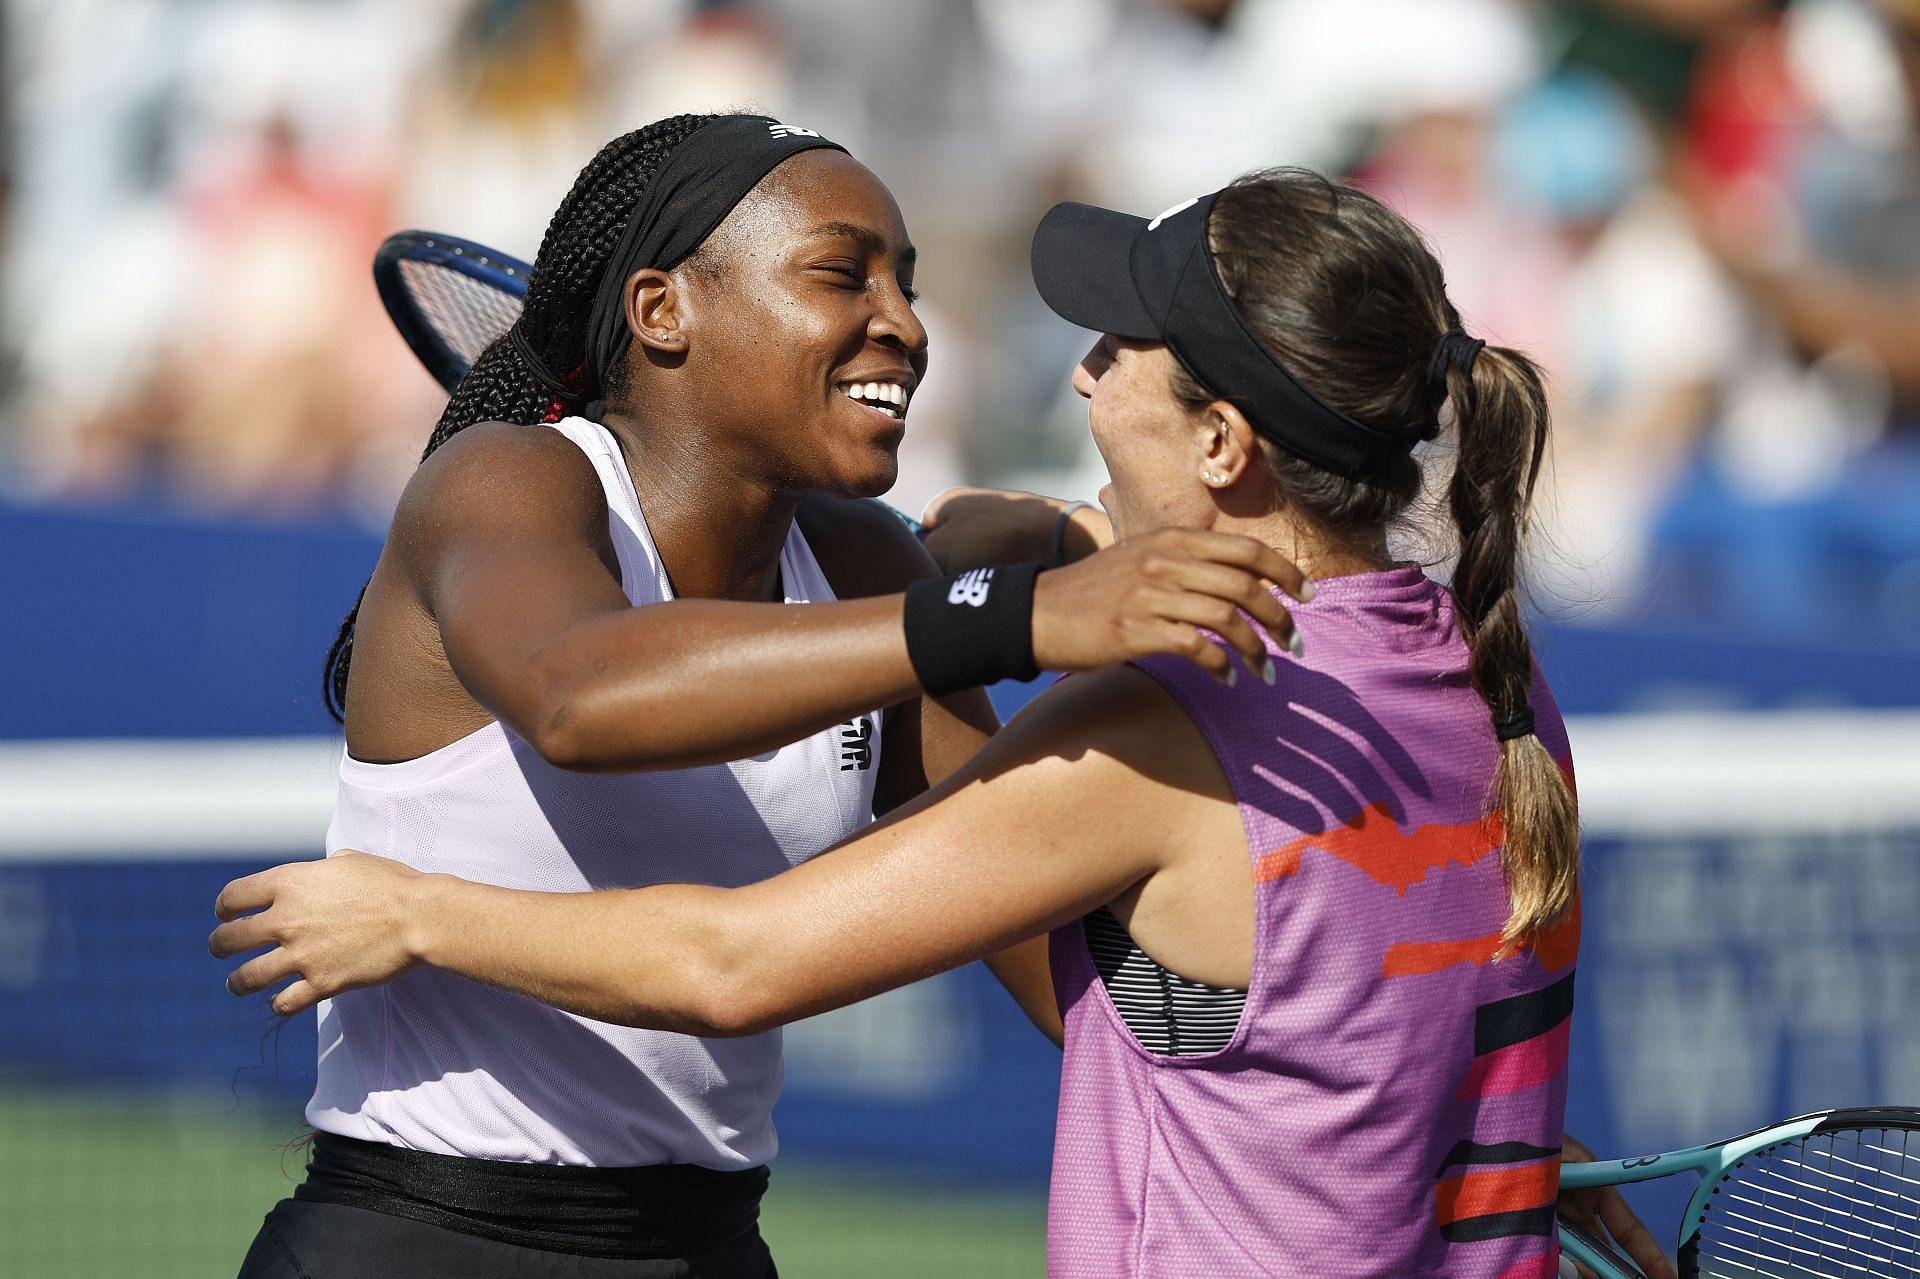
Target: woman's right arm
{"x": 1099, "y": 785}
{"x": 503, "y": 540}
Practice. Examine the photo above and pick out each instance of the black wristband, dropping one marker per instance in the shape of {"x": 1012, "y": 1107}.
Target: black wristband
{"x": 972, "y": 629}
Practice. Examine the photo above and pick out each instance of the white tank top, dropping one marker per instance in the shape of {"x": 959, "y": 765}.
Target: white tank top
{"x": 435, "y": 1062}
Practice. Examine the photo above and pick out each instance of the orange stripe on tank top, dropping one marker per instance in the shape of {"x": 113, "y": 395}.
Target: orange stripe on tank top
{"x": 1372, "y": 842}
{"x": 1480, "y": 1194}
{"x": 1555, "y": 947}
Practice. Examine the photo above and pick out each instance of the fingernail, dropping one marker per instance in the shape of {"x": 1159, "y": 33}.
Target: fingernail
{"x": 1233, "y": 675}
{"x": 1306, "y": 589}
{"x": 1267, "y": 672}
{"x": 1296, "y": 645}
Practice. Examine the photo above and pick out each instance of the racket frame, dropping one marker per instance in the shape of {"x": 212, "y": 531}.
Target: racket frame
{"x": 1709, "y": 1163}
{"x": 499, "y": 271}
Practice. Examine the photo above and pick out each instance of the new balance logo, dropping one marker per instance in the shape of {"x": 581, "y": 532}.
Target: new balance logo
{"x": 856, "y": 745}
{"x": 791, "y": 131}
{"x": 971, "y": 587}
{"x": 1180, "y": 207}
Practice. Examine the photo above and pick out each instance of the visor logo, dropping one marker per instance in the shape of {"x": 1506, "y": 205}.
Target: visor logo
{"x": 1180, "y": 207}
{"x": 791, "y": 131}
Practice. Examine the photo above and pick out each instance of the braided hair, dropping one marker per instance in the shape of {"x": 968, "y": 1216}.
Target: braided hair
{"x": 502, "y": 386}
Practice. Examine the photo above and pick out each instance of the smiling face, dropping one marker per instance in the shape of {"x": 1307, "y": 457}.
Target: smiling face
{"x": 802, "y": 350}
{"x": 1153, "y": 445}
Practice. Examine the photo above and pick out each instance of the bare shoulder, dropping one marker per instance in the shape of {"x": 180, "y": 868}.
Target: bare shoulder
{"x": 863, "y": 547}
{"x": 1119, "y": 721}
{"x": 490, "y": 462}
{"x": 495, "y": 479}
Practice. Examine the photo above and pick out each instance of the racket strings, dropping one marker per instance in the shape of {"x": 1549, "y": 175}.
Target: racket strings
{"x": 467, "y": 314}
{"x": 1839, "y": 1204}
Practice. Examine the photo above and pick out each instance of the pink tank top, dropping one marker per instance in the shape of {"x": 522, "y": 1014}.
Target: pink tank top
{"x": 1391, "y": 1103}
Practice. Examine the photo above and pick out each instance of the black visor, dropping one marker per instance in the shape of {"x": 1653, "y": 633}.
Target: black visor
{"x": 1155, "y": 281}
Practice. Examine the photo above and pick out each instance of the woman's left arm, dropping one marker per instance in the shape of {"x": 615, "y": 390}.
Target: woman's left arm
{"x": 1085, "y": 795}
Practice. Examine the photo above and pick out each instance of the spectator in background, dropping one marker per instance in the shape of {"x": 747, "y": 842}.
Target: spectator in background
{"x": 275, "y": 375}
{"x": 1828, "y": 243}
{"x": 1644, "y": 329}
{"x": 209, "y": 335}
{"x": 1650, "y": 48}
{"x": 510, "y": 98}
{"x": 1803, "y": 168}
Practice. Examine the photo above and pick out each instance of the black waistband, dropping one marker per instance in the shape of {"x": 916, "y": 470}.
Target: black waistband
{"x": 665, "y": 1210}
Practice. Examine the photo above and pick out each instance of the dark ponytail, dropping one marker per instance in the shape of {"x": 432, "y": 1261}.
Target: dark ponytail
{"x": 502, "y": 386}
{"x": 1500, "y": 410}
{"x": 1343, "y": 290}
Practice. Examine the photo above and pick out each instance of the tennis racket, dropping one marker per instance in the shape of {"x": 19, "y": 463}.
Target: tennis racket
{"x": 1832, "y": 1195}
{"x": 451, "y": 299}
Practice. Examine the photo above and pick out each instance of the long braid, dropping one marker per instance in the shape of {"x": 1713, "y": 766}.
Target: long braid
{"x": 1501, "y": 409}
{"x": 501, "y": 386}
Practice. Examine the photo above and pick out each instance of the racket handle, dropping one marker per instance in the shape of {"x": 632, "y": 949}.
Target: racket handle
{"x": 1594, "y": 1253}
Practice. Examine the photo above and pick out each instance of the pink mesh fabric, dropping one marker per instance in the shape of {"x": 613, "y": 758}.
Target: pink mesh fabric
{"x": 1391, "y": 1103}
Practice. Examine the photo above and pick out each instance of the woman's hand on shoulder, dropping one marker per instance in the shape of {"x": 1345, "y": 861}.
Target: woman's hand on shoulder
{"x": 864, "y": 547}
{"x": 978, "y": 527}
{"x": 1157, "y": 594}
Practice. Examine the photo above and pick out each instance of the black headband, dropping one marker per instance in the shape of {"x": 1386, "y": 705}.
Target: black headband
{"x": 1156, "y": 280}
{"x": 691, "y": 193}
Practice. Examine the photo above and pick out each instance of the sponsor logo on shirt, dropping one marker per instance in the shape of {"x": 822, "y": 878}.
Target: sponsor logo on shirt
{"x": 856, "y": 745}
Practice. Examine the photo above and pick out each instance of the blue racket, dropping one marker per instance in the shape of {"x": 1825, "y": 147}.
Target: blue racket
{"x": 1832, "y": 1195}
{"x": 451, "y": 299}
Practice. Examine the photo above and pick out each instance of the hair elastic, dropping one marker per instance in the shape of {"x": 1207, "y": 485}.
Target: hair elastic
{"x": 1454, "y": 350}
{"x": 546, "y": 376}
{"x": 1507, "y": 728}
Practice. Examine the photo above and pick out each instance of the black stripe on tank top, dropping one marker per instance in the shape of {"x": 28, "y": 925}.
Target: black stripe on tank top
{"x": 1499, "y": 1152}
{"x": 1500, "y": 1225}
{"x": 1506, "y": 1022}
{"x": 1169, "y": 1015}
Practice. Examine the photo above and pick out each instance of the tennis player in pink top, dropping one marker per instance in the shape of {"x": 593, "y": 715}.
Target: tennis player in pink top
{"x": 1312, "y": 925}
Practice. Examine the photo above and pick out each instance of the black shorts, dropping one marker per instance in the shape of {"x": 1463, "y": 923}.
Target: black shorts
{"x": 368, "y": 1209}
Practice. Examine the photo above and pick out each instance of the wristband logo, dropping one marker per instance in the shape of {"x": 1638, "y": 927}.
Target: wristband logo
{"x": 971, "y": 587}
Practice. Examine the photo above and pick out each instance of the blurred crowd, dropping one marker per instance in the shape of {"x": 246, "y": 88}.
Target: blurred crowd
{"x": 1701, "y": 216}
